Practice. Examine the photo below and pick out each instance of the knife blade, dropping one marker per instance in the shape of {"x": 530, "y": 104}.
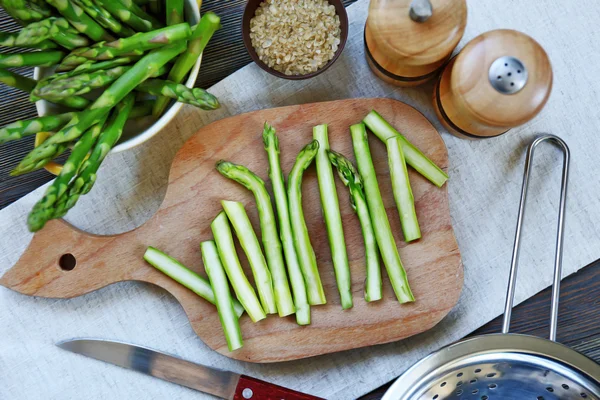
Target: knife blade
{"x": 225, "y": 384}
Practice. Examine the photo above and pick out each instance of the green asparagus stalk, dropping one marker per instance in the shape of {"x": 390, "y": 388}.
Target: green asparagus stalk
{"x": 80, "y": 20}
{"x": 43, "y": 210}
{"x": 130, "y": 46}
{"x": 86, "y": 176}
{"x": 304, "y": 249}
{"x": 174, "y": 11}
{"x": 131, "y": 6}
{"x": 414, "y": 157}
{"x": 218, "y": 280}
{"x": 69, "y": 39}
{"x": 126, "y": 16}
{"x": 26, "y": 11}
{"x": 270, "y": 239}
{"x": 20, "y": 129}
{"x": 17, "y": 81}
{"x": 205, "y": 29}
{"x": 78, "y": 84}
{"x": 92, "y": 66}
{"x": 245, "y": 233}
{"x": 305, "y": 293}
{"x": 383, "y": 231}
{"x": 35, "y": 59}
{"x": 351, "y": 178}
{"x": 104, "y": 18}
{"x": 186, "y": 277}
{"x": 242, "y": 288}
{"x": 333, "y": 218}
{"x": 196, "y": 97}
{"x": 144, "y": 68}
{"x": 34, "y": 33}
{"x": 27, "y": 85}
{"x": 43, "y": 45}
{"x": 405, "y": 202}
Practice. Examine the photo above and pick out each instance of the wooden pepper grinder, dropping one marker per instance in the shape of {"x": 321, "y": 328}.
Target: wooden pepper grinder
{"x": 408, "y": 41}
{"x": 501, "y": 79}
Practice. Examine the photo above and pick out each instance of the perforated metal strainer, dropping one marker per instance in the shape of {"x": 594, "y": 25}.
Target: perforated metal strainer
{"x": 508, "y": 366}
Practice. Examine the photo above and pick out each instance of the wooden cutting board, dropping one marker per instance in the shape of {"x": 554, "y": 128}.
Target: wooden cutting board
{"x": 193, "y": 199}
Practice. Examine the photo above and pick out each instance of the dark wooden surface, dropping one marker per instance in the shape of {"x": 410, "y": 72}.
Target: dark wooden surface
{"x": 225, "y": 54}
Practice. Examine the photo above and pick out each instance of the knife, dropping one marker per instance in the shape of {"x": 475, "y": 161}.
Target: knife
{"x": 225, "y": 384}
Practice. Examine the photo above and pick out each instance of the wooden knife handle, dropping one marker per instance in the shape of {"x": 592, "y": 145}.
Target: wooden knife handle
{"x": 254, "y": 389}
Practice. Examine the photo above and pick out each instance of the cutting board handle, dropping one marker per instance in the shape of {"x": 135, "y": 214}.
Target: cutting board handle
{"x": 62, "y": 262}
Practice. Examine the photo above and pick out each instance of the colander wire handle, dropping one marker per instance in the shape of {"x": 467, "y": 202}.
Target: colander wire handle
{"x": 512, "y": 280}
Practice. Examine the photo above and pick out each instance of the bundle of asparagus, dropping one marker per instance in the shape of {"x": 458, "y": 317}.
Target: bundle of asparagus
{"x": 77, "y": 37}
{"x": 274, "y": 296}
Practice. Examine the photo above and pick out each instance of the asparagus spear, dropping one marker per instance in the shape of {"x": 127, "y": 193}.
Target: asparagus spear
{"x": 414, "y": 157}
{"x": 27, "y": 85}
{"x": 218, "y": 280}
{"x": 69, "y": 39}
{"x": 383, "y": 232}
{"x": 20, "y": 129}
{"x": 353, "y": 181}
{"x": 130, "y": 46}
{"x": 80, "y": 20}
{"x": 145, "y": 67}
{"x": 34, "y": 33}
{"x": 26, "y": 11}
{"x": 304, "y": 251}
{"x": 268, "y": 226}
{"x": 78, "y": 84}
{"x": 126, "y": 16}
{"x": 35, "y": 59}
{"x": 405, "y": 202}
{"x": 242, "y": 288}
{"x": 186, "y": 277}
{"x": 245, "y": 233}
{"x": 92, "y": 66}
{"x": 305, "y": 293}
{"x": 196, "y": 97}
{"x": 43, "y": 45}
{"x": 44, "y": 210}
{"x": 174, "y": 11}
{"x": 207, "y": 26}
{"x": 137, "y": 10}
{"x": 86, "y": 176}
{"x": 104, "y": 18}
{"x": 49, "y": 123}
{"x": 333, "y": 218}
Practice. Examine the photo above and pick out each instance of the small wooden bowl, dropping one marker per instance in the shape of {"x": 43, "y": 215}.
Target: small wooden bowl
{"x": 249, "y": 12}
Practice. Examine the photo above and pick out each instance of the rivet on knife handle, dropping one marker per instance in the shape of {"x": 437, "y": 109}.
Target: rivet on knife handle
{"x": 255, "y": 389}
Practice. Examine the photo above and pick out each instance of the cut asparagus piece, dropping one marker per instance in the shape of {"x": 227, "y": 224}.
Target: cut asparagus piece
{"x": 69, "y": 39}
{"x": 414, "y": 157}
{"x": 104, "y": 18}
{"x": 302, "y": 295}
{"x": 268, "y": 226}
{"x": 227, "y": 253}
{"x": 383, "y": 231}
{"x": 220, "y": 288}
{"x": 126, "y": 16}
{"x": 351, "y": 178}
{"x": 243, "y": 229}
{"x": 174, "y": 11}
{"x": 333, "y": 218}
{"x": 405, "y": 202}
{"x": 205, "y": 29}
{"x": 186, "y": 277}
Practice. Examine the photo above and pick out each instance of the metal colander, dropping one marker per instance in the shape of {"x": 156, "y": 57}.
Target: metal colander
{"x": 508, "y": 366}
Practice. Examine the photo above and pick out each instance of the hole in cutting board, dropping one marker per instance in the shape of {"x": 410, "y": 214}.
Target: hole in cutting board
{"x": 67, "y": 262}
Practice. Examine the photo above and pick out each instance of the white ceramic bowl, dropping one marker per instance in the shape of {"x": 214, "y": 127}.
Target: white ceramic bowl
{"x": 139, "y": 130}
